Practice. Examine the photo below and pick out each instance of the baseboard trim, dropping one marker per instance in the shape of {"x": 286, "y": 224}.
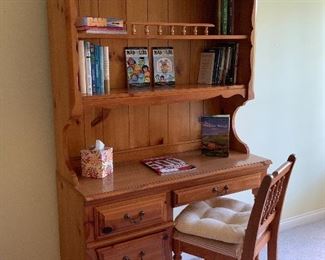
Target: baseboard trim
{"x": 303, "y": 219}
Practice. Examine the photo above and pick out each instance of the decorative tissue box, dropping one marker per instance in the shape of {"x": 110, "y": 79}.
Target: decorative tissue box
{"x": 97, "y": 163}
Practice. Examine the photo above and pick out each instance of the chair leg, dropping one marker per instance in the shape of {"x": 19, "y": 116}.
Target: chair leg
{"x": 177, "y": 250}
{"x": 272, "y": 249}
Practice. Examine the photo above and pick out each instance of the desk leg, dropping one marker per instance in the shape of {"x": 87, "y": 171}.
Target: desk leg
{"x": 177, "y": 250}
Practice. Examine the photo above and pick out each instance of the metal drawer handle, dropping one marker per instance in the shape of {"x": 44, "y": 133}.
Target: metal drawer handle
{"x": 142, "y": 254}
{"x": 222, "y": 192}
{"x": 134, "y": 220}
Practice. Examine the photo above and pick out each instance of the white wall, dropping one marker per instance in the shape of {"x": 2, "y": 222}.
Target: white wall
{"x": 286, "y": 116}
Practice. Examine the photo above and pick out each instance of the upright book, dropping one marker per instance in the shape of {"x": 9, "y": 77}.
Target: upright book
{"x": 215, "y": 135}
{"x": 163, "y": 66}
{"x": 137, "y": 68}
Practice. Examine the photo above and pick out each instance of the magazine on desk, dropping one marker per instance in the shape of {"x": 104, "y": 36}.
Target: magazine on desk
{"x": 167, "y": 165}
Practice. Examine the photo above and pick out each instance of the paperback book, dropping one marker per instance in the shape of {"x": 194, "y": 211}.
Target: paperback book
{"x": 163, "y": 66}
{"x": 215, "y": 135}
{"x": 137, "y": 68}
{"x": 166, "y": 165}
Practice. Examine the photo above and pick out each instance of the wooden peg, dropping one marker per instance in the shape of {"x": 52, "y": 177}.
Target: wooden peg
{"x": 184, "y": 30}
{"x": 146, "y": 29}
{"x": 195, "y": 30}
{"x": 134, "y": 29}
{"x": 206, "y": 31}
{"x": 172, "y": 30}
{"x": 160, "y": 31}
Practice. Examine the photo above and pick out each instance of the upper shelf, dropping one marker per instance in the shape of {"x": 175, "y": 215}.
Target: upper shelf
{"x": 179, "y": 93}
{"x": 82, "y": 35}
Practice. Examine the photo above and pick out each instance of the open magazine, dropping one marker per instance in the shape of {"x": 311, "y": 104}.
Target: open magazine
{"x": 167, "y": 165}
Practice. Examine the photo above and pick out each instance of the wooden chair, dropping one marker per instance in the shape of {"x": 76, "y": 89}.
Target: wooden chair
{"x": 262, "y": 227}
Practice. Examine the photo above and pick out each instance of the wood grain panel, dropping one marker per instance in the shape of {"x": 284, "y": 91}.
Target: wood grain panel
{"x": 116, "y": 125}
{"x": 139, "y": 115}
{"x": 179, "y": 117}
{"x": 92, "y": 133}
{"x": 116, "y": 129}
{"x": 158, "y": 114}
{"x": 179, "y": 123}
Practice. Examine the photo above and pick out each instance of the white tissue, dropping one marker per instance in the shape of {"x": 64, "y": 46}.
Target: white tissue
{"x": 100, "y": 146}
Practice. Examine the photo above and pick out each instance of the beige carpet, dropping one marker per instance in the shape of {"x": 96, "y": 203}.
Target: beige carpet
{"x": 300, "y": 243}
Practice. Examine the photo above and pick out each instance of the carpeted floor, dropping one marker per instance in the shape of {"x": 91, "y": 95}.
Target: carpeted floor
{"x": 301, "y": 243}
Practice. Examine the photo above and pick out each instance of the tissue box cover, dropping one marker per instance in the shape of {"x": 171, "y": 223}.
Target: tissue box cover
{"x": 97, "y": 164}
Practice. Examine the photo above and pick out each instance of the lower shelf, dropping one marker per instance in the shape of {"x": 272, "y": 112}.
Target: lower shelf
{"x": 176, "y": 94}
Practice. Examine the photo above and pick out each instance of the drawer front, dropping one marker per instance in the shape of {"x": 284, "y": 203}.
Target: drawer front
{"x": 156, "y": 246}
{"x": 130, "y": 215}
{"x": 201, "y": 192}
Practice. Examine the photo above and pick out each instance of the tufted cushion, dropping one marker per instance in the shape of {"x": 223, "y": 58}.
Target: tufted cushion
{"x": 218, "y": 218}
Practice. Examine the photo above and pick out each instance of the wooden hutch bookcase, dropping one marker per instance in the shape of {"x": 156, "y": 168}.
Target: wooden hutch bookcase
{"x": 130, "y": 215}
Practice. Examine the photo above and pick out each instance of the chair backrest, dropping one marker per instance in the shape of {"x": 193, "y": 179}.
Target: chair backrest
{"x": 264, "y": 221}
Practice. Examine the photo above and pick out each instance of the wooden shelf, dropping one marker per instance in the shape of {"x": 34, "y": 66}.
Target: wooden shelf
{"x": 163, "y": 96}
{"x": 161, "y": 37}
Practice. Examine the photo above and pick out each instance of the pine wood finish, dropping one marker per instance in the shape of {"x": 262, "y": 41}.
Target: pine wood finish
{"x": 263, "y": 225}
{"x": 143, "y": 124}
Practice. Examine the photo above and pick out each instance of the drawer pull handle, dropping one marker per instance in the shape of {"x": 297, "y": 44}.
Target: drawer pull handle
{"x": 134, "y": 220}
{"x": 215, "y": 190}
{"x": 224, "y": 191}
{"x": 126, "y": 258}
{"x": 107, "y": 230}
{"x": 142, "y": 254}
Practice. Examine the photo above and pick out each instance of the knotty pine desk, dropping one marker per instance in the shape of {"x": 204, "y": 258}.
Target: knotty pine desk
{"x": 130, "y": 215}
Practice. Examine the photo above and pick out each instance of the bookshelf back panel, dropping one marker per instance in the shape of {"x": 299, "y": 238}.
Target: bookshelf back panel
{"x": 133, "y": 127}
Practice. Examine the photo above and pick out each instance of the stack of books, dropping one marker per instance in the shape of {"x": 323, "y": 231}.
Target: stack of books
{"x": 225, "y": 17}
{"x": 101, "y": 25}
{"x": 218, "y": 65}
{"x": 93, "y": 68}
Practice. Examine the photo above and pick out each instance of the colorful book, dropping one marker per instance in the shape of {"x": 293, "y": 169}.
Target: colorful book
{"x": 215, "y": 135}
{"x": 163, "y": 66}
{"x": 137, "y": 68}
{"x": 224, "y": 17}
{"x": 99, "y": 22}
{"x": 167, "y": 165}
{"x": 93, "y": 68}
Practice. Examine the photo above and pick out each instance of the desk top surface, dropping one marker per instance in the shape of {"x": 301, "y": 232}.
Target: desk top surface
{"x": 135, "y": 176}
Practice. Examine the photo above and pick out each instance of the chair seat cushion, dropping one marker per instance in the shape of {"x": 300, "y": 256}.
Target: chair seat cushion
{"x": 219, "y": 218}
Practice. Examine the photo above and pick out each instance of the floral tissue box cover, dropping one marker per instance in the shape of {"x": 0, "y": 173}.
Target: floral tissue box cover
{"x": 97, "y": 164}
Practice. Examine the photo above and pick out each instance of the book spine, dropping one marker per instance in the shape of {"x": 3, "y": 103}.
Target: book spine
{"x": 227, "y": 65}
{"x": 88, "y": 69}
{"x": 220, "y": 66}
{"x": 231, "y": 17}
{"x": 236, "y": 53}
{"x": 216, "y": 66}
{"x": 219, "y": 22}
{"x": 107, "y": 86}
{"x": 97, "y": 69}
{"x": 93, "y": 67}
{"x": 82, "y": 68}
{"x": 224, "y": 16}
{"x": 101, "y": 68}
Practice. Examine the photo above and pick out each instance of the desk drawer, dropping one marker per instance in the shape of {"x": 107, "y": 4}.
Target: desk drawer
{"x": 130, "y": 215}
{"x": 205, "y": 191}
{"x": 156, "y": 246}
